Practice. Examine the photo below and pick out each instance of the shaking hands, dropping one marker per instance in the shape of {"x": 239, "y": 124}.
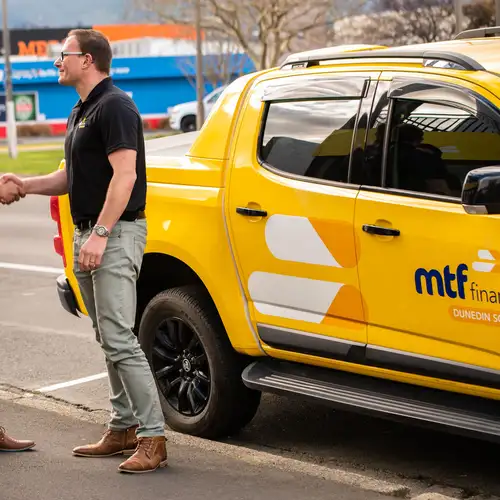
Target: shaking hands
{"x": 11, "y": 189}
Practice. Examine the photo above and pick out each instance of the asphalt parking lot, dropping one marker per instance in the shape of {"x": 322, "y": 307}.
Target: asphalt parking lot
{"x": 46, "y": 349}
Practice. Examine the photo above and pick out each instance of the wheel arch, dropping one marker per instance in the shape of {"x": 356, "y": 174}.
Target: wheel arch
{"x": 159, "y": 272}
{"x": 168, "y": 265}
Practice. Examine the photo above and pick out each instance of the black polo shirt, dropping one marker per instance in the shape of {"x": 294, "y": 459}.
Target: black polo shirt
{"x": 108, "y": 120}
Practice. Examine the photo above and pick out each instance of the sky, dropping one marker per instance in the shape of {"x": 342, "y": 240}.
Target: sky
{"x": 64, "y": 13}
{"x": 69, "y": 13}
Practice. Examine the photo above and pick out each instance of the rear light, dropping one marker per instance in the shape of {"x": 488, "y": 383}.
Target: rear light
{"x": 54, "y": 208}
{"x": 58, "y": 246}
{"x": 56, "y": 216}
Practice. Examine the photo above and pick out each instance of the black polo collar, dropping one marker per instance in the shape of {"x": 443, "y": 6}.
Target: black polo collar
{"x": 100, "y": 88}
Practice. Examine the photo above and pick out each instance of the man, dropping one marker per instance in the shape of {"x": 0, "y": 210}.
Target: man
{"x": 9, "y": 193}
{"x": 105, "y": 176}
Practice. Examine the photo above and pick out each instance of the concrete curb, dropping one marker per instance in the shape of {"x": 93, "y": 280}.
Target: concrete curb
{"x": 254, "y": 457}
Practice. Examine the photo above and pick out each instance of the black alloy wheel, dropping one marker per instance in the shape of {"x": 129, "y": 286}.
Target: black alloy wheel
{"x": 181, "y": 368}
{"x": 195, "y": 367}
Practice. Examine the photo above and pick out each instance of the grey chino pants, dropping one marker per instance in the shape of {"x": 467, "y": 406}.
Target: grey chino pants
{"x": 109, "y": 294}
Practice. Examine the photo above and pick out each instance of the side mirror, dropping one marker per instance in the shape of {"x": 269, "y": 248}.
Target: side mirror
{"x": 481, "y": 191}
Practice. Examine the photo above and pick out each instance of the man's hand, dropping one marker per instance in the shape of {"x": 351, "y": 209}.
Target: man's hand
{"x": 91, "y": 253}
{"x": 11, "y": 189}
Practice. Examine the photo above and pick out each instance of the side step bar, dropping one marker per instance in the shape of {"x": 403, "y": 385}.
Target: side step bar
{"x": 455, "y": 413}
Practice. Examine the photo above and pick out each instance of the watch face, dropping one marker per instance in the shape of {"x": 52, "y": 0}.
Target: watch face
{"x": 101, "y": 231}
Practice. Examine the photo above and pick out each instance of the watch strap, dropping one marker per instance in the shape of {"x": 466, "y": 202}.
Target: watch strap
{"x": 101, "y": 230}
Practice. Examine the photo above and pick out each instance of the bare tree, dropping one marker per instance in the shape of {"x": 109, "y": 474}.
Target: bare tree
{"x": 401, "y": 22}
{"x": 480, "y": 14}
{"x": 223, "y": 61}
{"x": 266, "y": 30}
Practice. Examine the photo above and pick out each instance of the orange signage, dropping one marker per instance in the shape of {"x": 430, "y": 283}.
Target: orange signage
{"x": 36, "y": 42}
{"x": 35, "y": 47}
{"x": 117, "y": 32}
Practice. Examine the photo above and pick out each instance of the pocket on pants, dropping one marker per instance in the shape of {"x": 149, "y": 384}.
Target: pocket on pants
{"x": 116, "y": 231}
{"x": 140, "y": 236}
{"x": 79, "y": 239}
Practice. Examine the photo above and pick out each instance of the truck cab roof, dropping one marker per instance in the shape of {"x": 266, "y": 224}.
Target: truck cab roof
{"x": 472, "y": 50}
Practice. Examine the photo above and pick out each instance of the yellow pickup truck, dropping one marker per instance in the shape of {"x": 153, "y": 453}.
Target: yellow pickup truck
{"x": 332, "y": 233}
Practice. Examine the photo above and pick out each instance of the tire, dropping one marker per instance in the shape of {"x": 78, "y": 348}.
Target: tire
{"x": 173, "y": 315}
{"x": 188, "y": 123}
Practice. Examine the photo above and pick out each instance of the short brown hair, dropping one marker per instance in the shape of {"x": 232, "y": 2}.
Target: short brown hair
{"x": 97, "y": 45}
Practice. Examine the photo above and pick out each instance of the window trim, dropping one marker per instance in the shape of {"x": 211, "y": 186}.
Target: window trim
{"x": 402, "y": 80}
{"x": 485, "y": 106}
{"x": 281, "y": 91}
{"x": 387, "y": 135}
{"x": 411, "y": 194}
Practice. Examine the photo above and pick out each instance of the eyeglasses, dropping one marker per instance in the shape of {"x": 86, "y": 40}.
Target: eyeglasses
{"x": 64, "y": 54}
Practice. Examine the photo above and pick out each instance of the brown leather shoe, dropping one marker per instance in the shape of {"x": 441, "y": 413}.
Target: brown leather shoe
{"x": 10, "y": 444}
{"x": 111, "y": 444}
{"x": 151, "y": 453}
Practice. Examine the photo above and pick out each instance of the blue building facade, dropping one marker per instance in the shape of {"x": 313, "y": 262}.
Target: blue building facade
{"x": 155, "y": 83}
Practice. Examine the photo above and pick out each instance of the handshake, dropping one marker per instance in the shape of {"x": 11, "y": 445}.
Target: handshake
{"x": 11, "y": 189}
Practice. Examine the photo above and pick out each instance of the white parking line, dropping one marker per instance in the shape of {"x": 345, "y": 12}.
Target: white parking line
{"x": 71, "y": 383}
{"x": 26, "y": 329}
{"x": 34, "y": 269}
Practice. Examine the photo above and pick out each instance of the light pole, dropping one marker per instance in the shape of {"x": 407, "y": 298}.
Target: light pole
{"x": 11, "y": 117}
{"x": 200, "y": 114}
{"x": 497, "y": 12}
{"x": 459, "y": 15}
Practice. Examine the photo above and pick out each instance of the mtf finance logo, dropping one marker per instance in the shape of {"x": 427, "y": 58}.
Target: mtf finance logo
{"x": 444, "y": 283}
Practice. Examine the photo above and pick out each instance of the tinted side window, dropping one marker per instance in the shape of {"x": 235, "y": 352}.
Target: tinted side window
{"x": 432, "y": 147}
{"x": 214, "y": 97}
{"x": 310, "y": 138}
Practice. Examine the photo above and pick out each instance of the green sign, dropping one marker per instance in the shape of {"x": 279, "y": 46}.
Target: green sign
{"x": 25, "y": 106}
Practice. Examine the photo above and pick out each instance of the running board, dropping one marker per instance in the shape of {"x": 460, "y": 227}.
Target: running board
{"x": 455, "y": 413}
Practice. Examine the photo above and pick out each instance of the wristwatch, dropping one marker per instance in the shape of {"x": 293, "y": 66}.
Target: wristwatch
{"x": 101, "y": 231}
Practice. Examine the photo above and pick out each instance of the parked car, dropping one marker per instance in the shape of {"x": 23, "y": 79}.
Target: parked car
{"x": 183, "y": 116}
{"x": 331, "y": 233}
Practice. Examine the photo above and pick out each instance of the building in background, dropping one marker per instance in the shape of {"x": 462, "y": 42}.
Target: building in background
{"x": 35, "y": 42}
{"x": 154, "y": 64}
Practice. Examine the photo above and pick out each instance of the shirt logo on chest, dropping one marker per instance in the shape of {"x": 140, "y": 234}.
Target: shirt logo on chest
{"x": 83, "y": 123}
